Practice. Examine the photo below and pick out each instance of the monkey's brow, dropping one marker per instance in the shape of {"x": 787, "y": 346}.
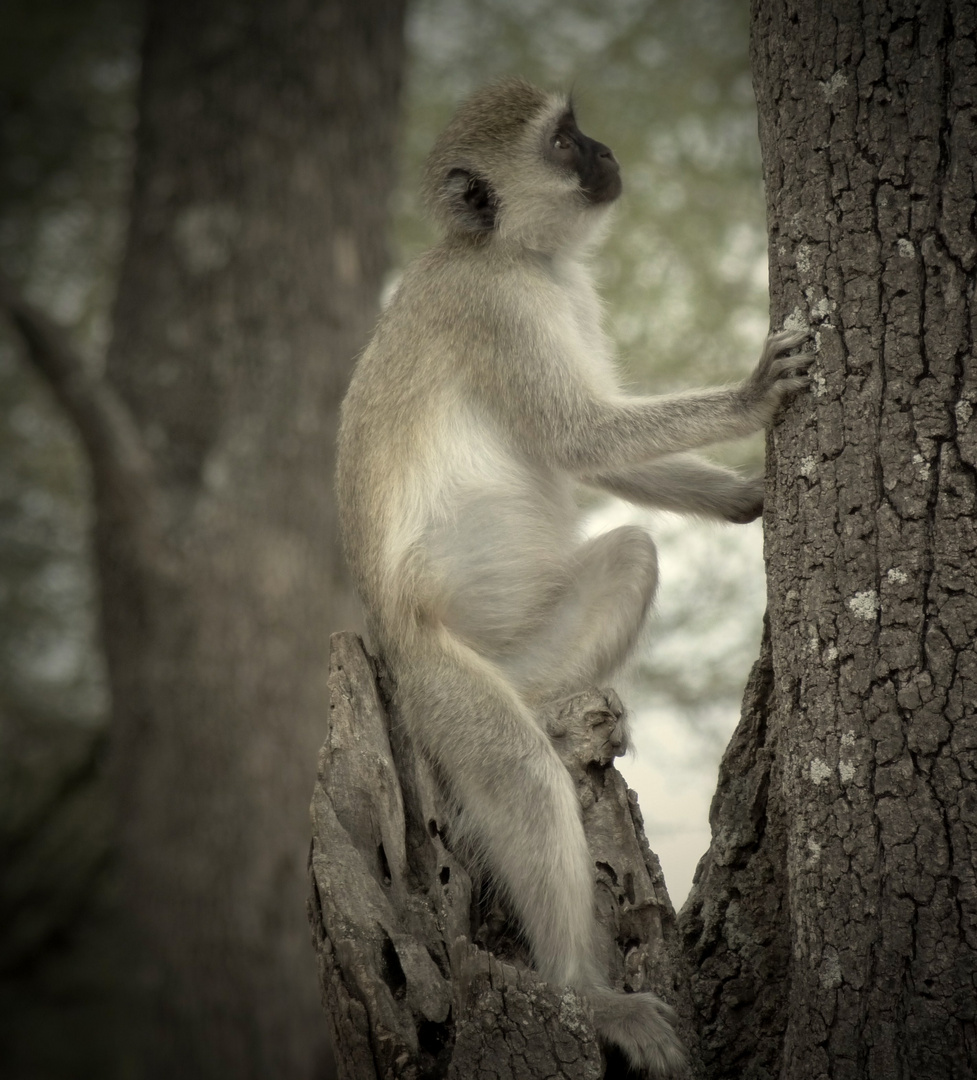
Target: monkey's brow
{"x": 567, "y": 123}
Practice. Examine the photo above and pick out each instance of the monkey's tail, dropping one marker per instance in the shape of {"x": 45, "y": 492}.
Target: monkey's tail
{"x": 517, "y": 805}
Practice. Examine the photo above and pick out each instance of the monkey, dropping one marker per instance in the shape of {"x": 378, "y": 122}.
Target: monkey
{"x": 487, "y": 395}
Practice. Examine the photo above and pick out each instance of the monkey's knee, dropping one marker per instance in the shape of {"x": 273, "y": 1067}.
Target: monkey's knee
{"x": 633, "y": 560}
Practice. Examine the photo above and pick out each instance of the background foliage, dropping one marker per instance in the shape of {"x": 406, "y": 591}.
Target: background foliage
{"x": 667, "y": 85}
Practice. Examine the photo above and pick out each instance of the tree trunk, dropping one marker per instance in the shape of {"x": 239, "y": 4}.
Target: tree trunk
{"x": 421, "y": 975}
{"x": 254, "y": 262}
{"x": 833, "y": 924}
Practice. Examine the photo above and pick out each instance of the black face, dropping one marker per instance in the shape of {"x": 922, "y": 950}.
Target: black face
{"x": 593, "y": 162}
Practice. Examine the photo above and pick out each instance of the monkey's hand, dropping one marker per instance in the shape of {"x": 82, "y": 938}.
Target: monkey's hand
{"x": 747, "y": 505}
{"x": 778, "y": 375}
{"x": 590, "y": 727}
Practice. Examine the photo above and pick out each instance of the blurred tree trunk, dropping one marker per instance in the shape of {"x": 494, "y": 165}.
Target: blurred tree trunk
{"x": 254, "y": 263}
{"x": 833, "y": 925}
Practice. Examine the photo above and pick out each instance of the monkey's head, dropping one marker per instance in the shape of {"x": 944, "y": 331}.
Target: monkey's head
{"x": 512, "y": 164}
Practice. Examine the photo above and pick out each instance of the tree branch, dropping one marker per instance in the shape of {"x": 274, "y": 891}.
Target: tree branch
{"x": 420, "y": 972}
{"x": 122, "y": 466}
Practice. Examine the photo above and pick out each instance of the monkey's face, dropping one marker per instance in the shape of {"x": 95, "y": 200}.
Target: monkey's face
{"x": 592, "y": 163}
{"x": 513, "y": 166}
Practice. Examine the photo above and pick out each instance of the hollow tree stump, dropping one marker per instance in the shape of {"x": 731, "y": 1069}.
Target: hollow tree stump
{"x": 420, "y": 973}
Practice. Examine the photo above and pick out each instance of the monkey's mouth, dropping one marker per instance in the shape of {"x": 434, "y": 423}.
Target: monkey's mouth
{"x": 605, "y": 190}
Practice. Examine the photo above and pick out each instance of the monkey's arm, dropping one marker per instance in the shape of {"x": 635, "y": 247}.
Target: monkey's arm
{"x": 560, "y": 420}
{"x": 687, "y": 485}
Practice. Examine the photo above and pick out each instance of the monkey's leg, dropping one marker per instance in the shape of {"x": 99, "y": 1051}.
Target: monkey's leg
{"x": 518, "y": 806}
{"x": 517, "y": 802}
{"x": 519, "y": 809}
{"x": 592, "y": 627}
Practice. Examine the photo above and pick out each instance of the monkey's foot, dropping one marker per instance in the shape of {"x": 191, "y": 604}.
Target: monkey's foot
{"x": 640, "y": 1025}
{"x": 591, "y": 726}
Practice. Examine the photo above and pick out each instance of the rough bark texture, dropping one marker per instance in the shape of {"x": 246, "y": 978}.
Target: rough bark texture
{"x": 735, "y": 922}
{"x": 422, "y": 976}
{"x": 834, "y": 921}
{"x": 253, "y": 267}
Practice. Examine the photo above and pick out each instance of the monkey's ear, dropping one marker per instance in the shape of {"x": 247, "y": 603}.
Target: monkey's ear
{"x": 471, "y": 200}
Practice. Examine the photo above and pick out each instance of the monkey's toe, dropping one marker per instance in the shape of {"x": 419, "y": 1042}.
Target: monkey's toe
{"x": 640, "y": 1025}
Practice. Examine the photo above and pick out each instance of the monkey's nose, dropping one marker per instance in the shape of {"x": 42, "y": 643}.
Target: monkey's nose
{"x": 605, "y": 153}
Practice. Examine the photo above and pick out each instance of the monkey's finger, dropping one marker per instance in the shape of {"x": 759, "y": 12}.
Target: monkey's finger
{"x": 792, "y": 384}
{"x": 746, "y": 514}
{"x": 787, "y": 339}
{"x": 788, "y": 366}
{"x": 775, "y": 351}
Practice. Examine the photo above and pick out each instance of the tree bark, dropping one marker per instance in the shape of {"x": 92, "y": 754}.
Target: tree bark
{"x": 420, "y": 973}
{"x": 833, "y": 924}
{"x": 254, "y": 263}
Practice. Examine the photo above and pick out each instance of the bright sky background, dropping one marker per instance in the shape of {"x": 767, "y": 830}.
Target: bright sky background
{"x": 675, "y": 758}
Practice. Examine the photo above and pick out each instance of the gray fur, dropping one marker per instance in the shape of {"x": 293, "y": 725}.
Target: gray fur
{"x": 486, "y": 395}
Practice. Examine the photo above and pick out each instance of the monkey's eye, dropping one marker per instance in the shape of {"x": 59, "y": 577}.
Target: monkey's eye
{"x": 562, "y": 142}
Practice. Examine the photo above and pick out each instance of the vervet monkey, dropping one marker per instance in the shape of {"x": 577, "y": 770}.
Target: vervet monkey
{"x": 487, "y": 394}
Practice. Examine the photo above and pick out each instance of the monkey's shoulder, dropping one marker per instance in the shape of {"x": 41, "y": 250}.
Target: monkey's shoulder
{"x": 495, "y": 265}
{"x": 475, "y": 296}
